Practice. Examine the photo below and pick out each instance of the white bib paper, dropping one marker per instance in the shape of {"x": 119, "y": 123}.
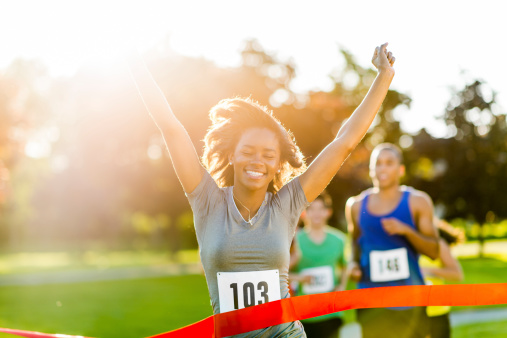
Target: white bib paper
{"x": 237, "y": 290}
{"x": 322, "y": 280}
{"x": 389, "y": 265}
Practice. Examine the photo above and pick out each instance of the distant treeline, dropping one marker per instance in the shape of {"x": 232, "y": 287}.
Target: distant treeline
{"x": 82, "y": 165}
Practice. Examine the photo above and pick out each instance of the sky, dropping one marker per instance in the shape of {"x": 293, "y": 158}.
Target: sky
{"x": 438, "y": 45}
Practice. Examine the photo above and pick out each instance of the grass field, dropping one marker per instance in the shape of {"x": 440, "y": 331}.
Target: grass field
{"x": 130, "y": 308}
{"x": 486, "y": 330}
{"x": 139, "y": 308}
{"x": 29, "y": 262}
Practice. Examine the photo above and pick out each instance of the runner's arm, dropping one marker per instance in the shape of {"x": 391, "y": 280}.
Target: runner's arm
{"x": 451, "y": 269}
{"x": 351, "y": 212}
{"x": 425, "y": 238}
{"x": 181, "y": 149}
{"x": 329, "y": 161}
{"x": 344, "y": 278}
{"x": 297, "y": 277}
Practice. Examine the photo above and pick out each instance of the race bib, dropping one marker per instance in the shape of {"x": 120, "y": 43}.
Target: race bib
{"x": 389, "y": 265}
{"x": 237, "y": 290}
{"x": 322, "y": 280}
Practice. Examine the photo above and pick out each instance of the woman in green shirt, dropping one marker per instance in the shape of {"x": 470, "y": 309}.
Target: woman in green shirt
{"x": 319, "y": 264}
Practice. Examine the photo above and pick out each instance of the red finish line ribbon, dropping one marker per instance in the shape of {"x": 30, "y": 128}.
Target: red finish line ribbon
{"x": 303, "y": 307}
{"x": 32, "y": 334}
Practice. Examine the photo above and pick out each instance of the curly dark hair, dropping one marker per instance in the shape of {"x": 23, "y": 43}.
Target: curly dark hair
{"x": 230, "y": 118}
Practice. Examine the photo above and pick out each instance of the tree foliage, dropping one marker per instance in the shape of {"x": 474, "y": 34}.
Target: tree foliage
{"x": 108, "y": 180}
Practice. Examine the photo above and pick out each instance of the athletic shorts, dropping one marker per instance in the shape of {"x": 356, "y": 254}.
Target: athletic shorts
{"x": 440, "y": 326}
{"x": 323, "y": 329}
{"x": 386, "y": 323}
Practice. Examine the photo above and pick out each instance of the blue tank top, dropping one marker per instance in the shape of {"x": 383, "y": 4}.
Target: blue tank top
{"x": 374, "y": 238}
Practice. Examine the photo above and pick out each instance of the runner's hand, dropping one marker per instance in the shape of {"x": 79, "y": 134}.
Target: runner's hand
{"x": 307, "y": 279}
{"x": 355, "y": 272}
{"x": 339, "y": 288}
{"x": 427, "y": 271}
{"x": 383, "y": 59}
{"x": 393, "y": 226}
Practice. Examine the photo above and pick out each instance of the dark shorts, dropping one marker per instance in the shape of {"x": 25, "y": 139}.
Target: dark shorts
{"x": 385, "y": 323}
{"x": 323, "y": 329}
{"x": 440, "y": 326}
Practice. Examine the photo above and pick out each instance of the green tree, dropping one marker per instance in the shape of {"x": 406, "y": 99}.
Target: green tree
{"x": 24, "y": 108}
{"x": 473, "y": 186}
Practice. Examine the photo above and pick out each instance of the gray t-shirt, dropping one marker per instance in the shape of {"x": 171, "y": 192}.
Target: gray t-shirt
{"x": 227, "y": 243}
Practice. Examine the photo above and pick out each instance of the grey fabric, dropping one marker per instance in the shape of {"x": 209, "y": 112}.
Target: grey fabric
{"x": 227, "y": 243}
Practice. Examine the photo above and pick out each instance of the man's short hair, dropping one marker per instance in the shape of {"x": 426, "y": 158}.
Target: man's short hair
{"x": 388, "y": 146}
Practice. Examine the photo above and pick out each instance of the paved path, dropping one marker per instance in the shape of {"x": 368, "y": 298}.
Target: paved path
{"x": 92, "y": 275}
{"x": 493, "y": 247}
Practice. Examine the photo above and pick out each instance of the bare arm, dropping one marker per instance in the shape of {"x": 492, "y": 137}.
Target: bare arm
{"x": 425, "y": 238}
{"x": 295, "y": 257}
{"x": 329, "y": 161}
{"x": 297, "y": 277}
{"x": 451, "y": 269}
{"x": 351, "y": 212}
{"x": 344, "y": 278}
{"x": 181, "y": 149}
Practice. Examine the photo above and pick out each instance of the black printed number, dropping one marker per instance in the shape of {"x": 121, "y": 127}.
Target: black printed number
{"x": 234, "y": 287}
{"x": 264, "y": 292}
{"x": 249, "y": 293}
{"x": 248, "y": 290}
{"x": 390, "y": 265}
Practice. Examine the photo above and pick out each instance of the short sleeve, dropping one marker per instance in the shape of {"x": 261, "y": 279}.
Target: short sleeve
{"x": 203, "y": 200}
{"x": 292, "y": 200}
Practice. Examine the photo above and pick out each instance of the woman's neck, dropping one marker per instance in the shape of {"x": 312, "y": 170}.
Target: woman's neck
{"x": 247, "y": 201}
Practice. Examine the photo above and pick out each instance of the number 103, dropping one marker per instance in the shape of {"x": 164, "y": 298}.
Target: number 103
{"x": 249, "y": 294}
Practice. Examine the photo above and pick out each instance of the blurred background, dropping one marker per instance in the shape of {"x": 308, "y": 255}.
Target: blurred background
{"x": 96, "y": 235}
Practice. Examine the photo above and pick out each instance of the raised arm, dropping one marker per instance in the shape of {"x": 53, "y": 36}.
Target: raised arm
{"x": 329, "y": 161}
{"x": 181, "y": 149}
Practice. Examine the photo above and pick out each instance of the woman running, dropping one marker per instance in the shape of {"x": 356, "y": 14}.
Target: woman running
{"x": 436, "y": 272}
{"x": 250, "y": 187}
{"x": 320, "y": 264}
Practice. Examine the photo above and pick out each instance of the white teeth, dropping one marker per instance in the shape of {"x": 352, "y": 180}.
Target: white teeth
{"x": 254, "y": 173}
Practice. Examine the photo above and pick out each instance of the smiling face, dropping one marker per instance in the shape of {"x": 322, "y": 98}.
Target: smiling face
{"x": 256, "y": 158}
{"x": 386, "y": 169}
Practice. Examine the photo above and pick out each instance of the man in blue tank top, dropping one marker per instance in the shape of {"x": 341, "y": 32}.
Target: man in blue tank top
{"x": 391, "y": 225}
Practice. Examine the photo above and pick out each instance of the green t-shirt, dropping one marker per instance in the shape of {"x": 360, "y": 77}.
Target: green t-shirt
{"x": 321, "y": 261}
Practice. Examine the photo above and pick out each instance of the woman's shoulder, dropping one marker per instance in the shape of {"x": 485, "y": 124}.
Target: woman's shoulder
{"x": 289, "y": 189}
{"x": 207, "y": 191}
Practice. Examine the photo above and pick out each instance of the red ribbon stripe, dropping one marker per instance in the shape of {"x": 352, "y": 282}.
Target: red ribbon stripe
{"x": 302, "y": 307}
